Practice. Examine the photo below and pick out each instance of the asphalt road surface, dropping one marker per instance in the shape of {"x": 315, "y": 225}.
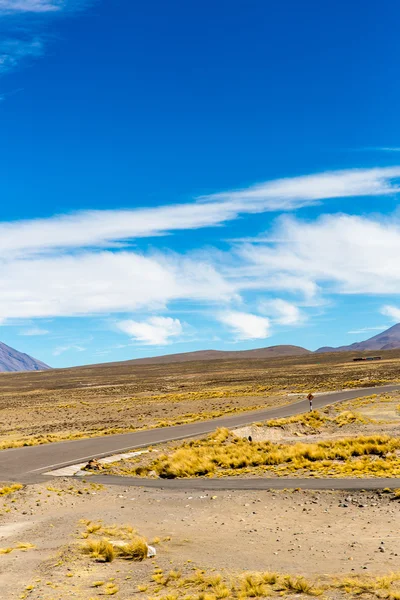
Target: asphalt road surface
{"x": 255, "y": 483}
{"x": 28, "y": 464}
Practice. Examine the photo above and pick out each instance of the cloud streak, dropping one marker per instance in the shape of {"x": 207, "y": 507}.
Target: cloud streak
{"x": 30, "y": 6}
{"x": 12, "y": 51}
{"x": 102, "y": 228}
{"x": 29, "y": 17}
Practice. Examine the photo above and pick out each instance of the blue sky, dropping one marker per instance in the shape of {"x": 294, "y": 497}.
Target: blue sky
{"x": 178, "y": 176}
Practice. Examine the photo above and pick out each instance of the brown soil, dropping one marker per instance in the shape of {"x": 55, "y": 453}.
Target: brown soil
{"x": 289, "y": 532}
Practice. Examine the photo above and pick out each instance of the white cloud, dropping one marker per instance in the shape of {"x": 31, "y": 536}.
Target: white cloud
{"x": 33, "y": 331}
{"x": 156, "y": 331}
{"x": 247, "y": 326}
{"x": 391, "y": 311}
{"x": 101, "y": 228}
{"x": 283, "y": 312}
{"x": 291, "y": 193}
{"x": 33, "y": 6}
{"x": 338, "y": 253}
{"x": 104, "y": 282}
{"x": 335, "y": 253}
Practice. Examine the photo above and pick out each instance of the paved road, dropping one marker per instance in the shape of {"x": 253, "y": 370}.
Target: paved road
{"x": 29, "y": 464}
{"x": 256, "y": 483}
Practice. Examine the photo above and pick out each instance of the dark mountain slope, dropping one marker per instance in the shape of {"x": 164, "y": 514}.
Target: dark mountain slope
{"x": 387, "y": 340}
{"x": 12, "y": 360}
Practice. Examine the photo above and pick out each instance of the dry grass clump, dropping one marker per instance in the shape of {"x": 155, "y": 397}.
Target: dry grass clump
{"x": 21, "y": 546}
{"x": 224, "y": 454}
{"x": 317, "y": 421}
{"x": 128, "y": 544}
{"x": 10, "y": 489}
{"x": 101, "y": 550}
{"x": 204, "y": 586}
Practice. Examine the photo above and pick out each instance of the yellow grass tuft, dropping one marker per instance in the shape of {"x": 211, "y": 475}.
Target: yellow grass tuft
{"x": 10, "y": 489}
{"x": 101, "y": 550}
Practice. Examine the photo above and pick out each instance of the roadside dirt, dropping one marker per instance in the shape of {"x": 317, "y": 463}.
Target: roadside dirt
{"x": 288, "y": 532}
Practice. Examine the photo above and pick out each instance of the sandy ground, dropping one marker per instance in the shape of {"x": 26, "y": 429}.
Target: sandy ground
{"x": 289, "y": 532}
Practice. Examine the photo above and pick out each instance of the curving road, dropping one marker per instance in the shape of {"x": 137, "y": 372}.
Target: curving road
{"x": 29, "y": 464}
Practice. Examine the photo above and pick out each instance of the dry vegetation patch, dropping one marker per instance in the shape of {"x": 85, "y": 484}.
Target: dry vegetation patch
{"x": 7, "y": 490}
{"x": 106, "y": 543}
{"x": 224, "y": 454}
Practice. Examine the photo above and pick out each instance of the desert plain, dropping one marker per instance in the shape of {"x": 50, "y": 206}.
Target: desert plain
{"x": 78, "y": 538}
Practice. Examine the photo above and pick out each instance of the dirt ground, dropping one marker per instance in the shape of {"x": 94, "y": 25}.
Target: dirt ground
{"x": 314, "y": 534}
{"x": 63, "y": 404}
{"x": 289, "y": 532}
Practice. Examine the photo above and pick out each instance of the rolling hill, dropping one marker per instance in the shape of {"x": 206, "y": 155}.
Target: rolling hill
{"x": 11, "y": 360}
{"x": 269, "y": 352}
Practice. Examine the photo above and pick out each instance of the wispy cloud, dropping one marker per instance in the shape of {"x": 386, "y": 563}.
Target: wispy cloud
{"x": 19, "y": 7}
{"x": 33, "y": 331}
{"x": 101, "y": 228}
{"x": 31, "y": 6}
{"x": 12, "y": 51}
{"x": 246, "y": 326}
{"x": 156, "y": 331}
{"x": 367, "y": 329}
{"x": 384, "y": 149}
{"x": 24, "y": 28}
{"x": 61, "y": 349}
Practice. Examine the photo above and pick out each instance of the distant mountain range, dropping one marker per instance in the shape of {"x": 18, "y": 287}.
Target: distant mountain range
{"x": 12, "y": 360}
{"x": 387, "y": 340}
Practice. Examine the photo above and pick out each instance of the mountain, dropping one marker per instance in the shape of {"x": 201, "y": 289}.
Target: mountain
{"x": 387, "y": 340}
{"x": 12, "y": 360}
{"x": 269, "y": 352}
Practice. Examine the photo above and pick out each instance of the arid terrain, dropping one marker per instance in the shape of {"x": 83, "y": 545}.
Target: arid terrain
{"x": 76, "y": 538}
{"x": 205, "y": 543}
{"x": 37, "y": 408}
